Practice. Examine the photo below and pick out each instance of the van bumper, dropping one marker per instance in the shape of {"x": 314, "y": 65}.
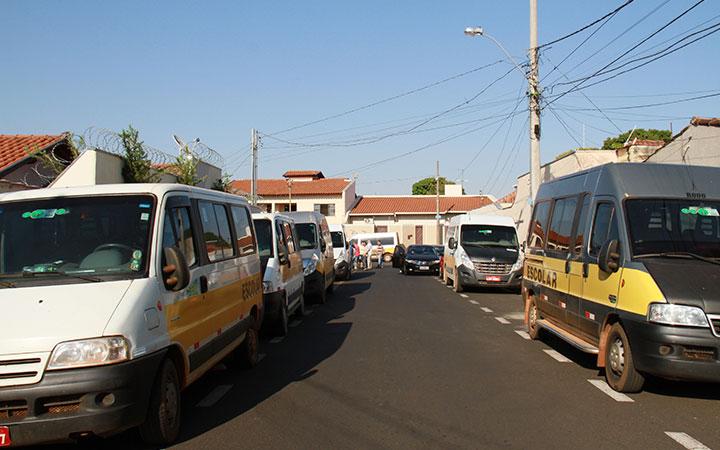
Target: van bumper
{"x": 341, "y": 269}
{"x": 693, "y": 354}
{"x": 314, "y": 283}
{"x": 77, "y": 395}
{"x": 272, "y": 302}
{"x": 471, "y": 277}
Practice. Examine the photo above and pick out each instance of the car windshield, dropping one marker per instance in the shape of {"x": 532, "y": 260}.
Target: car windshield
{"x": 307, "y": 235}
{"x": 263, "y": 232}
{"x": 674, "y": 226}
{"x": 337, "y": 239}
{"x": 488, "y": 236}
{"x": 75, "y": 238}
{"x": 421, "y": 250}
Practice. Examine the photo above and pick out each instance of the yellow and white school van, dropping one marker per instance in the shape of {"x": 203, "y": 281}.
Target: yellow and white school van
{"x": 317, "y": 253}
{"x": 115, "y": 298}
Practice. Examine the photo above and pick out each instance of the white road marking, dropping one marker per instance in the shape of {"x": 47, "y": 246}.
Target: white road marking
{"x": 277, "y": 340}
{"x": 214, "y": 396}
{"x": 463, "y": 295}
{"x": 502, "y": 320}
{"x": 559, "y": 357}
{"x": 295, "y": 323}
{"x": 486, "y": 309}
{"x": 261, "y": 356}
{"x": 523, "y": 334}
{"x": 617, "y": 396}
{"x": 515, "y": 316}
{"x": 686, "y": 440}
{"x": 474, "y": 302}
{"x": 449, "y": 287}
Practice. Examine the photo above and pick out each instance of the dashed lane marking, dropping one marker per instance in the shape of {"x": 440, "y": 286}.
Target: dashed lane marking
{"x": 686, "y": 440}
{"x": 295, "y": 323}
{"x": 515, "y": 316}
{"x": 502, "y": 320}
{"x": 617, "y": 396}
{"x": 449, "y": 287}
{"x": 277, "y": 340}
{"x": 214, "y": 396}
{"x": 523, "y": 334}
{"x": 486, "y": 309}
{"x": 463, "y": 295}
{"x": 559, "y": 357}
{"x": 474, "y": 302}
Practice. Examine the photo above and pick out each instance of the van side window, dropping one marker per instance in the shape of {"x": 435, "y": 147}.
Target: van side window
{"x": 245, "y": 242}
{"x": 279, "y": 235}
{"x": 177, "y": 232}
{"x": 605, "y": 227}
{"x": 580, "y": 226}
{"x": 561, "y": 224}
{"x": 216, "y": 231}
{"x": 538, "y": 225}
{"x": 289, "y": 240}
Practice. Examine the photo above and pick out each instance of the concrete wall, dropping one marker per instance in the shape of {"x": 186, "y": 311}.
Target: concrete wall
{"x": 91, "y": 167}
{"x": 696, "y": 145}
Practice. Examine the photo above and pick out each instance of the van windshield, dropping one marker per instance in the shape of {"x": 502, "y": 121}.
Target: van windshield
{"x": 667, "y": 226}
{"x": 337, "y": 239}
{"x": 488, "y": 236}
{"x": 263, "y": 232}
{"x": 306, "y": 235}
{"x": 75, "y": 238}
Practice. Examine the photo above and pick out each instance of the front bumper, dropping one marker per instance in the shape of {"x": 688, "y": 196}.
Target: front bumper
{"x": 314, "y": 283}
{"x": 67, "y": 404}
{"x": 272, "y": 304}
{"x": 694, "y": 352}
{"x": 472, "y": 277}
{"x": 433, "y": 267}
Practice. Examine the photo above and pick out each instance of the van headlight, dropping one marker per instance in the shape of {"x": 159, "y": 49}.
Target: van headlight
{"x": 466, "y": 261}
{"x": 669, "y": 314}
{"x": 267, "y": 287}
{"x": 89, "y": 352}
{"x": 517, "y": 266}
{"x": 310, "y": 265}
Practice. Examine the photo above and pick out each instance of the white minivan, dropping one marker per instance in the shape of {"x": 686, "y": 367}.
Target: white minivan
{"x": 341, "y": 251}
{"x": 116, "y": 297}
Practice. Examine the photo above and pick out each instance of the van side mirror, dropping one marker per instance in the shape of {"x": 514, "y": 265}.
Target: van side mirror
{"x": 609, "y": 257}
{"x": 522, "y": 247}
{"x": 283, "y": 255}
{"x": 176, "y": 273}
{"x": 452, "y": 243}
{"x": 323, "y": 245}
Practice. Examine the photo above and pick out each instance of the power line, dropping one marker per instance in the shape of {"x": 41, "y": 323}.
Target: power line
{"x": 565, "y": 126}
{"x": 649, "y": 105}
{"x": 515, "y": 151}
{"x": 580, "y": 30}
{"x": 385, "y": 100}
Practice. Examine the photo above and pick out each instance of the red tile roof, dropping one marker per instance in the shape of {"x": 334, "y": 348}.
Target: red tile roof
{"x": 408, "y": 204}
{"x": 279, "y": 188}
{"x": 706, "y": 121}
{"x": 508, "y": 198}
{"x": 303, "y": 174}
{"x": 15, "y": 147}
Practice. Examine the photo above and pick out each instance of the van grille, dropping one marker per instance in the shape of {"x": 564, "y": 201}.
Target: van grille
{"x": 22, "y": 369}
{"x": 493, "y": 268}
{"x": 60, "y": 405}
{"x": 13, "y": 409}
{"x": 715, "y": 324}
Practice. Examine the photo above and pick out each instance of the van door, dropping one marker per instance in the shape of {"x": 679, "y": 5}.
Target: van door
{"x": 542, "y": 281}
{"x": 449, "y": 256}
{"x": 294, "y": 268}
{"x": 557, "y": 253}
{"x": 576, "y": 265}
{"x": 600, "y": 289}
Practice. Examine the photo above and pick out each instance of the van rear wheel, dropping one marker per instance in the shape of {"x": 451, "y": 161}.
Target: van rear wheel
{"x": 162, "y": 423}
{"x": 533, "y": 329}
{"x": 620, "y": 372}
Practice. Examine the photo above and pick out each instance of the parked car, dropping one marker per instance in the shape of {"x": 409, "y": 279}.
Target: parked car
{"x": 283, "y": 282}
{"x": 123, "y": 295}
{"x": 622, "y": 262}
{"x": 317, "y": 253}
{"x": 421, "y": 258}
{"x": 398, "y": 256}
{"x": 341, "y": 251}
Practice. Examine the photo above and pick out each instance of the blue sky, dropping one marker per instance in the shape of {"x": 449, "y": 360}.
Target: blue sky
{"x": 214, "y": 70}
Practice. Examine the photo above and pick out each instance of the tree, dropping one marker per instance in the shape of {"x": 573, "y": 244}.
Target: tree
{"x": 426, "y": 186}
{"x": 222, "y": 183}
{"x": 138, "y": 167}
{"x": 614, "y": 143}
{"x": 185, "y": 167}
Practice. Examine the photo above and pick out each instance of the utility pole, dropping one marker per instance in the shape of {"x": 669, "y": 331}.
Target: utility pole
{"x": 534, "y": 100}
{"x": 253, "y": 173}
{"x": 437, "y": 202}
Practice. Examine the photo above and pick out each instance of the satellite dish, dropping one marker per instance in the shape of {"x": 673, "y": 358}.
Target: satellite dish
{"x": 178, "y": 141}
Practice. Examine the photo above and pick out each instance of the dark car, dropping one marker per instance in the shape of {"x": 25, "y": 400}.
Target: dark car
{"x": 398, "y": 256}
{"x": 421, "y": 258}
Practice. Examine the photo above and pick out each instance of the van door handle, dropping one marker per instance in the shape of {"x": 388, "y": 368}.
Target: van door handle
{"x": 567, "y": 266}
{"x": 585, "y": 269}
{"x": 203, "y": 284}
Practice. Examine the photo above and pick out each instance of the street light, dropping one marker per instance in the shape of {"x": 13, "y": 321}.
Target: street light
{"x": 478, "y": 31}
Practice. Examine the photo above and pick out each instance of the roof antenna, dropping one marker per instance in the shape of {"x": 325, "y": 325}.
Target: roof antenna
{"x": 629, "y": 136}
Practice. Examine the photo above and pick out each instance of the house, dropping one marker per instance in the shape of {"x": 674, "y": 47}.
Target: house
{"x": 303, "y": 190}
{"x": 697, "y": 144}
{"x": 413, "y": 217}
{"x": 21, "y": 166}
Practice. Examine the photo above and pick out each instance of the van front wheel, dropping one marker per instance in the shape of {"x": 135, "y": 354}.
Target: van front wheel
{"x": 620, "y": 372}
{"x": 457, "y": 285}
{"x": 533, "y": 329}
{"x": 162, "y": 424}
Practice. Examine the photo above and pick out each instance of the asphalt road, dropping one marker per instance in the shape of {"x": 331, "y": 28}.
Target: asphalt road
{"x": 395, "y": 361}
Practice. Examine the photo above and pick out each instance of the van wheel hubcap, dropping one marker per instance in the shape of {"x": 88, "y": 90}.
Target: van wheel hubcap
{"x": 532, "y": 315}
{"x": 168, "y": 406}
{"x": 617, "y": 356}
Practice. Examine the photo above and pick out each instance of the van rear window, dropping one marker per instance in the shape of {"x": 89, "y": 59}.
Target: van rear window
{"x": 538, "y": 226}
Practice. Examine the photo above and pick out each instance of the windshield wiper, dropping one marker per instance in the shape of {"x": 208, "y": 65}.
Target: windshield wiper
{"x": 29, "y": 273}
{"x": 679, "y": 255}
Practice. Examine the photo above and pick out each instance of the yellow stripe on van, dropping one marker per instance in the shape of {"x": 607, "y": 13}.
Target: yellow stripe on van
{"x": 638, "y": 292}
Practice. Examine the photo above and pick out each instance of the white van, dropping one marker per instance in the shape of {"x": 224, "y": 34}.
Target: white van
{"x": 388, "y": 240}
{"x": 482, "y": 250}
{"x": 282, "y": 269}
{"x": 317, "y": 253}
{"x": 341, "y": 251}
{"x": 117, "y": 298}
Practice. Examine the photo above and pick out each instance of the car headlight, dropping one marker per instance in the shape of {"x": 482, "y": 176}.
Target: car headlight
{"x": 310, "y": 265}
{"x": 466, "y": 261}
{"x": 670, "y": 314}
{"x": 89, "y": 352}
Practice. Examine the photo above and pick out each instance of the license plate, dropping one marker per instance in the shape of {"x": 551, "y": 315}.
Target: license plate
{"x": 492, "y": 278}
{"x": 4, "y": 437}
{"x": 424, "y": 268}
